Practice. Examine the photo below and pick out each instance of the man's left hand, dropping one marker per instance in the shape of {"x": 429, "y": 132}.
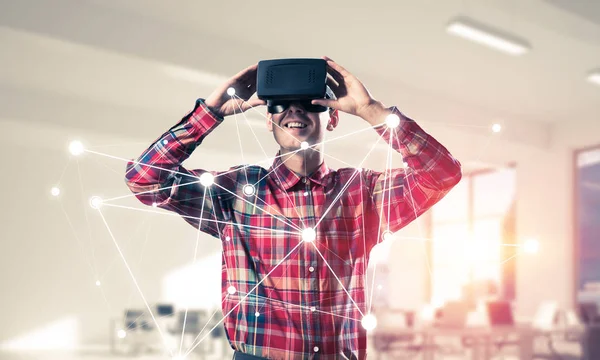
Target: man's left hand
{"x": 352, "y": 96}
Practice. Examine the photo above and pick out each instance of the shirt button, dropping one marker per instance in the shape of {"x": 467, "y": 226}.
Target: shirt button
{"x": 311, "y": 269}
{"x": 313, "y": 308}
{"x": 304, "y": 180}
{"x": 316, "y": 349}
{"x": 306, "y": 193}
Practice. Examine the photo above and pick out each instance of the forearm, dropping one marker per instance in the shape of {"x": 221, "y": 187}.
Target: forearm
{"x": 403, "y": 194}
{"x": 426, "y": 158}
{"x": 163, "y": 158}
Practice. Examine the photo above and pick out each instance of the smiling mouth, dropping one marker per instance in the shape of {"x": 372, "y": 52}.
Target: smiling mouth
{"x": 295, "y": 125}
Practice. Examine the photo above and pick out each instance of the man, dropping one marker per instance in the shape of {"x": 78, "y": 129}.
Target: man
{"x": 296, "y": 241}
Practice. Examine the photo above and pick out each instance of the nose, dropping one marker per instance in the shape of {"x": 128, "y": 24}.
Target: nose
{"x": 296, "y": 107}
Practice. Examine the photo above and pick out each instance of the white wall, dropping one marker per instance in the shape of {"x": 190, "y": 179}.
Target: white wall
{"x": 544, "y": 212}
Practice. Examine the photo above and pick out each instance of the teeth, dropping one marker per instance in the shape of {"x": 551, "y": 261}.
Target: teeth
{"x": 295, "y": 125}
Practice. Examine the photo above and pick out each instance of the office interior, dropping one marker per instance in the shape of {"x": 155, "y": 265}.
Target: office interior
{"x": 506, "y": 266}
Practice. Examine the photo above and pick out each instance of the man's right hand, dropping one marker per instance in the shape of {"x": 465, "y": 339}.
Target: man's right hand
{"x": 244, "y": 83}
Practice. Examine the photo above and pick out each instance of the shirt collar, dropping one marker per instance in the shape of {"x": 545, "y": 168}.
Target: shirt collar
{"x": 287, "y": 178}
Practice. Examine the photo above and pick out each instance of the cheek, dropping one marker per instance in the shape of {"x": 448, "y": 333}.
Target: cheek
{"x": 273, "y": 123}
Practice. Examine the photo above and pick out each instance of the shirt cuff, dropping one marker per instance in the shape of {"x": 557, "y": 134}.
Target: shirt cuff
{"x": 408, "y": 137}
{"x": 202, "y": 117}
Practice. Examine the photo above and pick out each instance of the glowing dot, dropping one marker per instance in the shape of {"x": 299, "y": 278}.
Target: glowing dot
{"x": 248, "y": 189}
{"x": 231, "y": 290}
{"x": 306, "y": 193}
{"x": 309, "y": 235}
{"x": 387, "y": 236}
{"x": 207, "y": 179}
{"x": 496, "y": 128}
{"x": 316, "y": 348}
{"x": 392, "y": 120}
{"x": 76, "y": 148}
{"x": 55, "y": 191}
{"x": 312, "y": 308}
{"x": 531, "y": 246}
{"x": 257, "y": 314}
{"x": 121, "y": 334}
{"x": 231, "y": 91}
{"x": 227, "y": 238}
{"x": 304, "y": 145}
{"x": 165, "y": 142}
{"x": 437, "y": 303}
{"x": 98, "y": 283}
{"x": 427, "y": 313}
{"x": 369, "y": 322}
{"x": 95, "y": 202}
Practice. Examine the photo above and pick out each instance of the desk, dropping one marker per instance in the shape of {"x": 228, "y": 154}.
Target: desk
{"x": 481, "y": 339}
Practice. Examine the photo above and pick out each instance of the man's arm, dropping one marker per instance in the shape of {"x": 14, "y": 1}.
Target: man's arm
{"x": 158, "y": 178}
{"x": 430, "y": 172}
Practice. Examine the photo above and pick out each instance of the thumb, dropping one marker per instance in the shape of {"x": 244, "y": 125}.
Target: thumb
{"x": 325, "y": 102}
{"x": 252, "y": 103}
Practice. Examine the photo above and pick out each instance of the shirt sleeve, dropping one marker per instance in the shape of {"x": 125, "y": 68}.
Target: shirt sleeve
{"x": 400, "y": 195}
{"x": 158, "y": 178}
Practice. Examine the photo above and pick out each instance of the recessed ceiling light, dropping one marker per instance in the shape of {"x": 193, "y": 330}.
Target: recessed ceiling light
{"x": 594, "y": 77}
{"x": 484, "y": 35}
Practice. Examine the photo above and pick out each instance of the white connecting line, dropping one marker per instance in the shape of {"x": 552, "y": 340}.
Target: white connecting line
{"x": 284, "y": 220}
{"x": 386, "y": 178}
{"x": 248, "y": 226}
{"x": 193, "y": 262}
{"x": 136, "y": 283}
{"x": 244, "y": 298}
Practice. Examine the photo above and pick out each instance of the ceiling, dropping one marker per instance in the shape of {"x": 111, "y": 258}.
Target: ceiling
{"x": 83, "y": 61}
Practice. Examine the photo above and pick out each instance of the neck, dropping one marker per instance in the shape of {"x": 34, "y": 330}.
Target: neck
{"x": 303, "y": 162}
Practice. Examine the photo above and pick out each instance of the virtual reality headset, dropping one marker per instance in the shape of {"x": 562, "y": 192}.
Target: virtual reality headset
{"x": 282, "y": 82}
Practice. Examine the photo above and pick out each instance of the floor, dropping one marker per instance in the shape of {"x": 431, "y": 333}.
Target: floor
{"x": 567, "y": 351}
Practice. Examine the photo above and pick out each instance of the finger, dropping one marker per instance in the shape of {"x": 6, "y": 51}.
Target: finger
{"x": 252, "y": 103}
{"x": 326, "y": 102}
{"x": 246, "y": 73}
{"x": 337, "y": 67}
{"x": 335, "y": 75}
{"x": 333, "y": 85}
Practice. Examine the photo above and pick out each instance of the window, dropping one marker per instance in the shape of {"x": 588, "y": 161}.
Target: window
{"x": 587, "y": 226}
{"x": 471, "y": 247}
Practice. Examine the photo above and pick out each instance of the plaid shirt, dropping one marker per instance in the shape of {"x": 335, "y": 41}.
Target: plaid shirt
{"x": 294, "y": 299}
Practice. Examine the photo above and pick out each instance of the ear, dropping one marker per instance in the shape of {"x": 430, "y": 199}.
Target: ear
{"x": 269, "y": 122}
{"x": 333, "y": 119}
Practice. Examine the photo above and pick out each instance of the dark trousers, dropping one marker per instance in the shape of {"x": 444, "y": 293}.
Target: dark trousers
{"x": 241, "y": 356}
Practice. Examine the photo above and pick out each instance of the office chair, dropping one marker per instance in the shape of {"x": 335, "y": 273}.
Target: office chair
{"x": 588, "y": 312}
{"x": 389, "y": 336}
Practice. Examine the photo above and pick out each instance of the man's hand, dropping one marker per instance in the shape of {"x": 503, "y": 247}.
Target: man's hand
{"x": 244, "y": 83}
{"x": 352, "y": 96}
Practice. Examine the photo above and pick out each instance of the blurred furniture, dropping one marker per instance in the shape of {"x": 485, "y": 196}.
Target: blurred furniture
{"x": 481, "y": 340}
{"x": 588, "y": 312}
{"x": 591, "y": 343}
{"x": 129, "y": 335}
{"x": 394, "y": 333}
{"x": 482, "y": 333}
{"x": 138, "y": 332}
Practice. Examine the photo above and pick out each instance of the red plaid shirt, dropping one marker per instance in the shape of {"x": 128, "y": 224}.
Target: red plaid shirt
{"x": 294, "y": 299}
